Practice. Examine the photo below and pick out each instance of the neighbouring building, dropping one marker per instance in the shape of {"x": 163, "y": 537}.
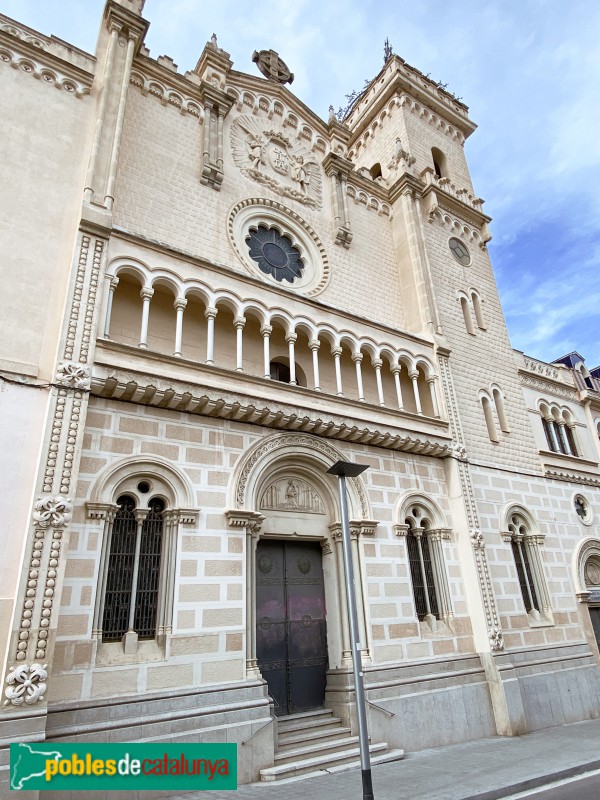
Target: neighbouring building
{"x": 211, "y": 296}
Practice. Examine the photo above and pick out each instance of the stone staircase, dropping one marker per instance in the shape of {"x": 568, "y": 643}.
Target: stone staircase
{"x": 316, "y": 742}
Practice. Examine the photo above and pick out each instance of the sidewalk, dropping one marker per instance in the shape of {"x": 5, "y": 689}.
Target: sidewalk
{"x": 484, "y": 770}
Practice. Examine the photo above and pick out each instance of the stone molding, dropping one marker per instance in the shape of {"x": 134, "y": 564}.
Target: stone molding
{"x": 165, "y": 92}
{"x": 250, "y": 520}
{"x": 448, "y": 216}
{"x": 248, "y": 97}
{"x": 571, "y": 477}
{"x": 31, "y": 52}
{"x": 547, "y": 387}
{"x": 301, "y": 443}
{"x": 369, "y": 201}
{"x": 277, "y": 415}
{"x": 400, "y": 99}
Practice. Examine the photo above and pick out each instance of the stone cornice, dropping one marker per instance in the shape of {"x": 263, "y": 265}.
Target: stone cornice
{"x": 572, "y": 477}
{"x": 437, "y": 196}
{"x": 45, "y": 58}
{"x": 397, "y": 78}
{"x": 344, "y": 419}
{"x": 261, "y": 86}
{"x": 168, "y": 86}
{"x": 547, "y": 384}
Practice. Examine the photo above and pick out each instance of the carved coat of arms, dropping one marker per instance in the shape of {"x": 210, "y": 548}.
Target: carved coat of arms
{"x": 271, "y": 158}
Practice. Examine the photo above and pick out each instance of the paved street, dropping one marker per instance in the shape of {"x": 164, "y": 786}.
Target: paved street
{"x": 490, "y": 769}
{"x": 584, "y": 788}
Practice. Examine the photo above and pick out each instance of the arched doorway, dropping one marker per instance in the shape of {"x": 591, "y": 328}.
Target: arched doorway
{"x": 297, "y": 622}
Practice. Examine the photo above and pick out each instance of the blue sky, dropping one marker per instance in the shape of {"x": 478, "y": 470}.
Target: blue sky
{"x": 529, "y": 72}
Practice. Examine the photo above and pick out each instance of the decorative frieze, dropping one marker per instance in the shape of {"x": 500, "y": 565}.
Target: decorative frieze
{"x": 548, "y": 388}
{"x": 43, "y": 70}
{"x": 168, "y": 95}
{"x": 542, "y": 369}
{"x": 572, "y": 477}
{"x": 361, "y": 197}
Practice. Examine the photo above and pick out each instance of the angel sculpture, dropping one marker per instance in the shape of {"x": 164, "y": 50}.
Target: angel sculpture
{"x": 255, "y": 151}
{"x": 299, "y": 173}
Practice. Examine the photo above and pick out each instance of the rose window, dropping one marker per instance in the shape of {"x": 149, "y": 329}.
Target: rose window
{"x": 275, "y": 254}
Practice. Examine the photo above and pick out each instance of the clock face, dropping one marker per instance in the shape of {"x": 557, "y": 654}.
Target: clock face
{"x": 460, "y": 252}
{"x": 274, "y": 254}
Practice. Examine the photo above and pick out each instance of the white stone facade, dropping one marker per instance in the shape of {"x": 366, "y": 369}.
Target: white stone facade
{"x": 139, "y": 350}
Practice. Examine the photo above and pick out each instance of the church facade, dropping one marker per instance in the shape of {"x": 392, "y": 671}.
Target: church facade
{"x": 215, "y": 296}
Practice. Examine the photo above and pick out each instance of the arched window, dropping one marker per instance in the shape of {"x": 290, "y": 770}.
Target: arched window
{"x": 132, "y": 580}
{"x": 489, "y": 418}
{"x": 375, "y": 171}
{"x": 440, "y": 164}
{"x": 464, "y": 304}
{"x": 476, "y": 300}
{"x": 430, "y": 589}
{"x": 280, "y": 371}
{"x": 499, "y": 403}
{"x": 559, "y": 429}
{"x": 525, "y": 546}
{"x": 136, "y": 577}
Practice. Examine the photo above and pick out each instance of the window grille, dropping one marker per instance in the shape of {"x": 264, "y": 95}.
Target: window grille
{"x": 525, "y": 577}
{"x": 120, "y": 591}
{"x": 530, "y": 572}
{"x": 421, "y": 572}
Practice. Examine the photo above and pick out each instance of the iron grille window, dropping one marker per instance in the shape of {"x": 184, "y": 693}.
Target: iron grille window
{"x": 421, "y": 573}
{"x": 519, "y": 546}
{"x": 120, "y": 591}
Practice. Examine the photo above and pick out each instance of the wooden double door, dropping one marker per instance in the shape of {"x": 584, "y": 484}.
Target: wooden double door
{"x": 291, "y": 634}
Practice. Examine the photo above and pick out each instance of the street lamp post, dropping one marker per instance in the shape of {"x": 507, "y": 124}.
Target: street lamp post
{"x": 343, "y": 470}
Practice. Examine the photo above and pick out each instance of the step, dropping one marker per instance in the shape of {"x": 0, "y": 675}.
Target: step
{"x": 297, "y": 753}
{"x": 322, "y": 762}
{"x": 317, "y": 734}
{"x": 308, "y": 724}
{"x": 308, "y": 716}
{"x": 391, "y": 755}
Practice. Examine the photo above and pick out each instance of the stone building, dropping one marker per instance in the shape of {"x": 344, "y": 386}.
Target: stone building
{"x": 214, "y": 296}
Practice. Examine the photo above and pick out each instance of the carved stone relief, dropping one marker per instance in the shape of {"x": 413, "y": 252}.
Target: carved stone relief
{"x": 592, "y": 573}
{"x": 292, "y": 494}
{"x": 26, "y": 684}
{"x": 268, "y": 156}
